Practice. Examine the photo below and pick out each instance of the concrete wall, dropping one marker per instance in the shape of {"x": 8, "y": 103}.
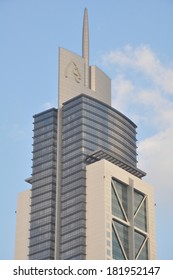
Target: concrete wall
{"x": 22, "y": 225}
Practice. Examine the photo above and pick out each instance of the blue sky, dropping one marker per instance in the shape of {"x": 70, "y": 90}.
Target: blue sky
{"x": 132, "y": 42}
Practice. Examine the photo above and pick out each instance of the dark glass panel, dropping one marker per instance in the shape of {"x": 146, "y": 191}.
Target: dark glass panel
{"x": 138, "y": 197}
{"x": 117, "y": 253}
{"x": 122, "y": 193}
{"x": 140, "y": 218}
{"x": 139, "y": 239}
{"x": 144, "y": 253}
{"x": 116, "y": 208}
{"x": 123, "y": 236}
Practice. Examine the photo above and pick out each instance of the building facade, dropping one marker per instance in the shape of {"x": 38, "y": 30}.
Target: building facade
{"x": 43, "y": 192}
{"x": 22, "y": 225}
{"x": 75, "y": 147}
{"x": 122, "y": 226}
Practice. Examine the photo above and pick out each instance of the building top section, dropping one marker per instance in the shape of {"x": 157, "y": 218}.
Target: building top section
{"x": 105, "y": 108}
{"x": 76, "y": 76}
{"x": 45, "y": 115}
{"x": 45, "y": 112}
{"x": 99, "y": 126}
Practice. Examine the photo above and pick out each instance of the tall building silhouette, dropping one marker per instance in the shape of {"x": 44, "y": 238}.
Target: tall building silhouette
{"x": 88, "y": 199}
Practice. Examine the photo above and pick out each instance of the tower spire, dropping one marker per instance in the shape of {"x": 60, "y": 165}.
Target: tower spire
{"x": 85, "y": 46}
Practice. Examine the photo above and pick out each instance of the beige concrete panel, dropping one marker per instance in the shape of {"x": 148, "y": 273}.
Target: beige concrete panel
{"x": 71, "y": 79}
{"x": 71, "y": 75}
{"x": 85, "y": 47}
{"x": 96, "y": 215}
{"x": 22, "y": 225}
{"x": 100, "y": 84}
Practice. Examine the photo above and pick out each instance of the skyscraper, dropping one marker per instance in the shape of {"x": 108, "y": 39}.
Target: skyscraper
{"x": 88, "y": 199}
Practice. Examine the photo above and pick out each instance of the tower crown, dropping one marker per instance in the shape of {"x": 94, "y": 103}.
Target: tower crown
{"x": 85, "y": 46}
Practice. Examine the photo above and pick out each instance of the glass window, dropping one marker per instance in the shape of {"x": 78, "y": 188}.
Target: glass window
{"x": 141, "y": 217}
{"x": 138, "y": 197}
{"x": 144, "y": 253}
{"x": 117, "y": 253}
{"x": 116, "y": 208}
{"x": 139, "y": 241}
{"x": 108, "y": 252}
{"x": 122, "y": 231}
{"x": 122, "y": 194}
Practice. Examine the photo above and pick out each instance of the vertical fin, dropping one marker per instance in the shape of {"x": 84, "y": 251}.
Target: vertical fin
{"x": 85, "y": 47}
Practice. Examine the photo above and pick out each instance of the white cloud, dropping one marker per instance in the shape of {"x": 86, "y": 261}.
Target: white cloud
{"x": 47, "y": 105}
{"x": 143, "y": 59}
{"x": 142, "y": 90}
{"x": 156, "y": 158}
{"x": 123, "y": 88}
